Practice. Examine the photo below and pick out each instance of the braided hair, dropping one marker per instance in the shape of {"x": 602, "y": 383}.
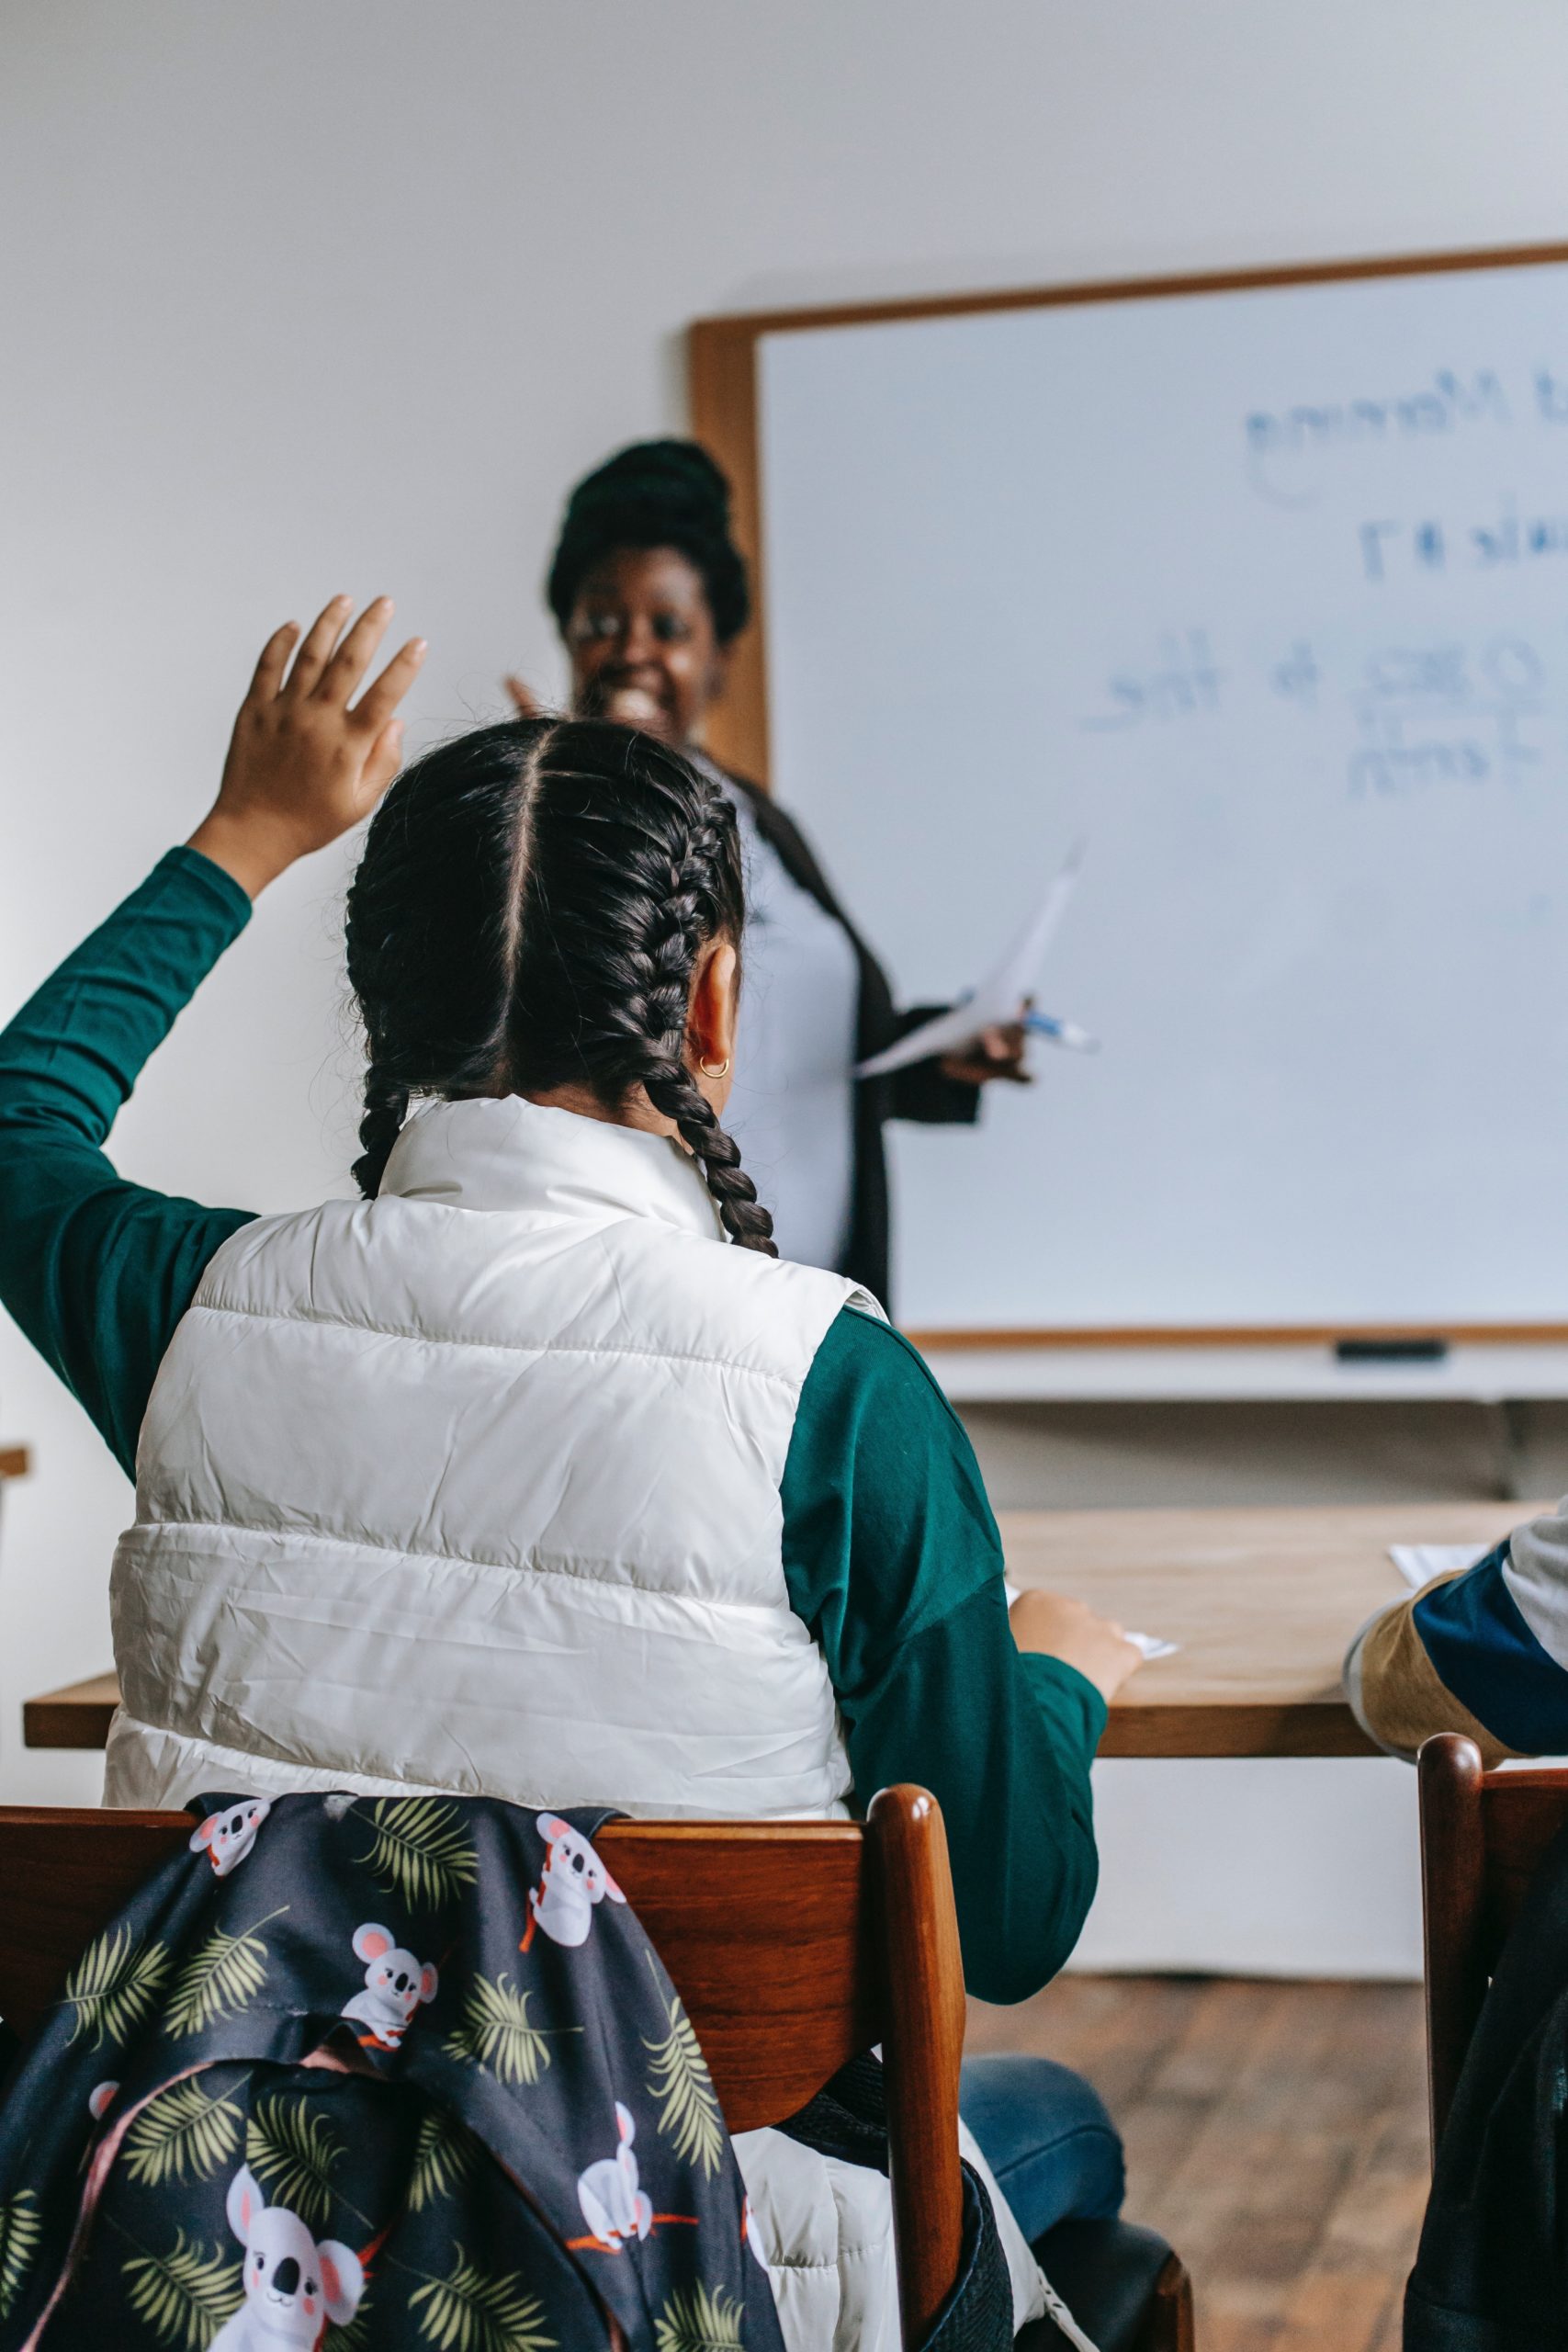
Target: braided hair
{"x": 654, "y": 494}
{"x": 529, "y": 914}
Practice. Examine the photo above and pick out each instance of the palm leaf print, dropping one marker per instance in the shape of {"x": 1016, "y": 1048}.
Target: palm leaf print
{"x": 113, "y": 1986}
{"x": 20, "y": 2222}
{"x": 698, "y": 2322}
{"x": 184, "y": 2296}
{"x": 689, "y": 2112}
{"x": 223, "y": 1977}
{"x": 444, "y": 2157}
{"x": 496, "y": 2034}
{"x": 469, "y": 2312}
{"x": 420, "y": 1851}
{"x": 182, "y": 2135}
{"x": 293, "y": 2153}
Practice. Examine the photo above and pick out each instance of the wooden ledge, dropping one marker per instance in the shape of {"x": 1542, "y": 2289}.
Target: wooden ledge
{"x": 15, "y": 1461}
{"x": 77, "y": 1716}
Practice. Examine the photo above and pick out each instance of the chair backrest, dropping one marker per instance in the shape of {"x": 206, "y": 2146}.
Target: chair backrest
{"x": 1482, "y": 1836}
{"x": 794, "y": 1945}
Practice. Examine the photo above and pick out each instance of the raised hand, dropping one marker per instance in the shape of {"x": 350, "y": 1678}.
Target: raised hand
{"x": 304, "y": 766}
{"x": 525, "y": 701}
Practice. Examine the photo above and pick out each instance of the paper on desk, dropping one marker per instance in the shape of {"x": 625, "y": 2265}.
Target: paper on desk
{"x": 1150, "y": 1643}
{"x": 1001, "y": 995}
{"x": 1420, "y": 1564}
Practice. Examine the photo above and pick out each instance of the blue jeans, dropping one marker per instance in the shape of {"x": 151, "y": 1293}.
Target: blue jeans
{"x": 1046, "y": 2134}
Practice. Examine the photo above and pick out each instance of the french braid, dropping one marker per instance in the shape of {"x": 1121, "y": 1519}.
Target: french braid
{"x": 530, "y": 913}
{"x": 671, "y": 1088}
{"x": 386, "y": 1108}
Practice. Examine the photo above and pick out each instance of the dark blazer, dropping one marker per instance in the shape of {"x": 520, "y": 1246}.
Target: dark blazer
{"x": 921, "y": 1091}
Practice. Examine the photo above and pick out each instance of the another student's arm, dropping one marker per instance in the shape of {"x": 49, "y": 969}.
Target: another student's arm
{"x": 893, "y": 1559}
{"x": 98, "y": 1271}
{"x": 1484, "y": 1653}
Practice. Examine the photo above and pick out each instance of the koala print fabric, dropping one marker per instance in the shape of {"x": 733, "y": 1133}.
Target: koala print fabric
{"x": 403, "y": 2071}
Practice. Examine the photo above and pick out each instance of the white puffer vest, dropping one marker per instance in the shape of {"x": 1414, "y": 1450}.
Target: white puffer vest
{"x": 475, "y": 1487}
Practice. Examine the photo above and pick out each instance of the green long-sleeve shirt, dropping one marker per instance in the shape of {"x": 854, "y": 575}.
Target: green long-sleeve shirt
{"x": 890, "y": 1551}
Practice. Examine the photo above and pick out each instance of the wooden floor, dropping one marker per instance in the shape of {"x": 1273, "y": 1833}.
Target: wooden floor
{"x": 1276, "y": 2135}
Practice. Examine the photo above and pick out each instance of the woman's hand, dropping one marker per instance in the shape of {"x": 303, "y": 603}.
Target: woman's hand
{"x": 996, "y": 1052}
{"x": 1053, "y": 1626}
{"x": 302, "y": 766}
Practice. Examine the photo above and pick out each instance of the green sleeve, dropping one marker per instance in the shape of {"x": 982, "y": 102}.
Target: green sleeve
{"x": 97, "y": 1271}
{"x": 892, "y": 1557}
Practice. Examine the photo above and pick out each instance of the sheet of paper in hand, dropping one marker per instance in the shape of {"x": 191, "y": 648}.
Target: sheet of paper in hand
{"x": 1002, "y": 995}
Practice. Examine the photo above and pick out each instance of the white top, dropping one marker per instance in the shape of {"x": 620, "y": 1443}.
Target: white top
{"x": 792, "y": 1111}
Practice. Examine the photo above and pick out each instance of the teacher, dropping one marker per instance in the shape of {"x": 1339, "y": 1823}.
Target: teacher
{"x": 650, "y": 591}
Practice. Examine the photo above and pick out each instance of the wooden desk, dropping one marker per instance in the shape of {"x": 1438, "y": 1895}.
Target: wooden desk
{"x": 1263, "y": 1603}
{"x": 77, "y": 1716}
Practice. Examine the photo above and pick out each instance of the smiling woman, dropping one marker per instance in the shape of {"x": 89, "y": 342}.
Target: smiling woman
{"x": 650, "y": 591}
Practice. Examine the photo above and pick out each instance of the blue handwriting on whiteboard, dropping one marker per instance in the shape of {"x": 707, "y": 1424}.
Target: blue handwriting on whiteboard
{"x": 1389, "y": 547}
{"x": 1281, "y": 443}
{"x": 1443, "y": 713}
{"x": 1182, "y": 683}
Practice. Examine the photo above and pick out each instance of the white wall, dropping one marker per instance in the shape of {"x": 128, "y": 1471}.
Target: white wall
{"x": 298, "y": 296}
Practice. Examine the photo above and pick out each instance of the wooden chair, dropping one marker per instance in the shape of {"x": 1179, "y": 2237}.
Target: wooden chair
{"x": 1483, "y": 1835}
{"x": 794, "y": 1946}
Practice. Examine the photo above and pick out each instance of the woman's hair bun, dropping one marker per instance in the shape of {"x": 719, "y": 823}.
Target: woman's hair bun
{"x": 665, "y": 493}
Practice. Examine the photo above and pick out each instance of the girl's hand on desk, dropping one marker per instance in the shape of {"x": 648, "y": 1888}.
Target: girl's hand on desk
{"x": 1054, "y": 1627}
{"x": 302, "y": 766}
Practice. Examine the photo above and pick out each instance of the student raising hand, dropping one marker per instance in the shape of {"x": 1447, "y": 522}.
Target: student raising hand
{"x": 306, "y": 763}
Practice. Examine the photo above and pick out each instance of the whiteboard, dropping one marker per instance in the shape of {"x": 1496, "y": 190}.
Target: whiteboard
{"x": 1265, "y": 593}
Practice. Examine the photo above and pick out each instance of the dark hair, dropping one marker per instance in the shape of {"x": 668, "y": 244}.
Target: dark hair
{"x": 527, "y": 914}
{"x": 655, "y": 495}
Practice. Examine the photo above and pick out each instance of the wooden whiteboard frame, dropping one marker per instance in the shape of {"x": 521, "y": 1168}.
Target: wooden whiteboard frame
{"x": 722, "y": 380}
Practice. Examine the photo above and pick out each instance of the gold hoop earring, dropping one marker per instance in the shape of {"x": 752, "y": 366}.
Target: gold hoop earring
{"x": 716, "y": 1069}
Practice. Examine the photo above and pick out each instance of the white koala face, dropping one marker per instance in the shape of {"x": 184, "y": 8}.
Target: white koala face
{"x": 576, "y": 1860}
{"x": 294, "y": 2285}
{"x": 228, "y": 1836}
{"x": 395, "y": 1979}
{"x": 281, "y": 2268}
{"x": 573, "y": 1867}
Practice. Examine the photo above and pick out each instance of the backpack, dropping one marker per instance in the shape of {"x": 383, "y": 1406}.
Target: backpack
{"x": 1491, "y": 2272}
{"x": 397, "y": 2072}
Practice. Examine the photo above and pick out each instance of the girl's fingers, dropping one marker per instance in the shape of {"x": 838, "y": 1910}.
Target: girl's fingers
{"x": 351, "y": 659}
{"x": 379, "y": 701}
{"x": 274, "y": 661}
{"x": 381, "y": 765}
{"x": 321, "y": 638}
